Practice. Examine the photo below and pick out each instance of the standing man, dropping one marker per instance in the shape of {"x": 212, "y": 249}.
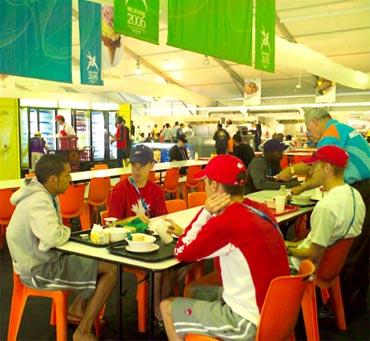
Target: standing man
{"x": 326, "y": 131}
{"x": 167, "y": 133}
{"x": 221, "y": 137}
{"x": 174, "y": 131}
{"x": 246, "y": 240}
{"x": 36, "y": 227}
{"x": 261, "y": 170}
{"x": 37, "y": 149}
{"x": 122, "y": 137}
{"x": 66, "y": 132}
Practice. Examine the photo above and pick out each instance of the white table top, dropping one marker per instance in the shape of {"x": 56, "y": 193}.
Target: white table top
{"x": 112, "y": 172}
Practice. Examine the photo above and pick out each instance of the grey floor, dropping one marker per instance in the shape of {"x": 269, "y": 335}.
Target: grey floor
{"x": 35, "y": 321}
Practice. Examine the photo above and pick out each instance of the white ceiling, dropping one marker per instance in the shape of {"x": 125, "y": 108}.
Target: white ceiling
{"x": 338, "y": 29}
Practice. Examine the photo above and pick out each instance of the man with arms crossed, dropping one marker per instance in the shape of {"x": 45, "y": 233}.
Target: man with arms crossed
{"x": 251, "y": 251}
{"x": 36, "y": 227}
{"x": 338, "y": 215}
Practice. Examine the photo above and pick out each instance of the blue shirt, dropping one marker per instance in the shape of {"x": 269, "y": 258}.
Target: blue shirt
{"x": 344, "y": 136}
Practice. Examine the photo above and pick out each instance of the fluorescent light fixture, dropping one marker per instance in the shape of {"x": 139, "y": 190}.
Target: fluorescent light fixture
{"x": 38, "y": 103}
{"x": 104, "y": 106}
{"x": 74, "y": 105}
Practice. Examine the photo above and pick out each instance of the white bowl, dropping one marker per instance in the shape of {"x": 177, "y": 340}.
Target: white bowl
{"x": 116, "y": 234}
{"x": 141, "y": 242}
{"x": 301, "y": 199}
{"x": 109, "y": 221}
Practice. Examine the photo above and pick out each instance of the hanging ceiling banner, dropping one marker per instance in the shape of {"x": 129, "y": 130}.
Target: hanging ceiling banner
{"x": 138, "y": 19}
{"x": 217, "y": 28}
{"x": 325, "y": 90}
{"x": 36, "y": 39}
{"x": 252, "y": 91}
{"x": 265, "y": 35}
{"x": 90, "y": 42}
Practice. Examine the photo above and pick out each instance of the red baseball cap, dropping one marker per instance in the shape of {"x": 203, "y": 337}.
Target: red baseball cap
{"x": 59, "y": 117}
{"x": 331, "y": 154}
{"x": 224, "y": 169}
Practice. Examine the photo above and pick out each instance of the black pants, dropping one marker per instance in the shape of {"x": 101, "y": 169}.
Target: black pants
{"x": 121, "y": 154}
{"x": 355, "y": 273}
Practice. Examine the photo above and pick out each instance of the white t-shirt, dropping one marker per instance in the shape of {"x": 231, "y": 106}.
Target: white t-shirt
{"x": 68, "y": 129}
{"x": 232, "y": 130}
{"x": 332, "y": 217}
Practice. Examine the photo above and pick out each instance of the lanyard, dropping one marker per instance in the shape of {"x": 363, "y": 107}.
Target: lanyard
{"x": 143, "y": 202}
{"x": 263, "y": 215}
{"x": 354, "y": 213}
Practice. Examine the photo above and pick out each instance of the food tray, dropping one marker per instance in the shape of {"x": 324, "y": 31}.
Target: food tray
{"x": 76, "y": 237}
{"x": 164, "y": 252}
{"x": 288, "y": 209}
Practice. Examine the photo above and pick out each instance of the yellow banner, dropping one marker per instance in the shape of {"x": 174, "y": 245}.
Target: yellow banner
{"x": 9, "y": 139}
{"x": 125, "y": 112}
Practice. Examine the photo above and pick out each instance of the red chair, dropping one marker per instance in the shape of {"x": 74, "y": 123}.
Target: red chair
{"x": 284, "y": 163}
{"x": 58, "y": 314}
{"x": 327, "y": 279}
{"x": 281, "y": 307}
{"x": 98, "y": 194}
{"x": 196, "y": 199}
{"x": 124, "y": 177}
{"x": 72, "y": 205}
{"x": 191, "y": 183}
{"x": 6, "y": 211}
{"x": 99, "y": 166}
{"x": 175, "y": 205}
{"x": 152, "y": 177}
{"x": 171, "y": 181}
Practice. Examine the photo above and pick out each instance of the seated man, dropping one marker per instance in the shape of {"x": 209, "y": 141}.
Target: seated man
{"x": 246, "y": 239}
{"x": 261, "y": 170}
{"x": 242, "y": 150}
{"x": 340, "y": 214}
{"x": 36, "y": 228}
{"x": 178, "y": 152}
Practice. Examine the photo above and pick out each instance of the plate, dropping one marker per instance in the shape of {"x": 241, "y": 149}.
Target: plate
{"x": 309, "y": 203}
{"x": 153, "y": 248}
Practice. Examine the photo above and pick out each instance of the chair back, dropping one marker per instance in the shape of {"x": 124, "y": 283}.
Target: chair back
{"x": 284, "y": 163}
{"x": 99, "y": 191}
{"x": 124, "y": 177}
{"x": 332, "y": 262}
{"x": 196, "y": 199}
{"x": 190, "y": 181}
{"x": 72, "y": 200}
{"x": 171, "y": 180}
{"x": 175, "y": 205}
{"x": 99, "y": 166}
{"x": 282, "y": 304}
{"x": 103, "y": 215}
{"x": 6, "y": 208}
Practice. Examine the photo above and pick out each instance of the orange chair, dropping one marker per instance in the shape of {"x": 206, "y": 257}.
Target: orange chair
{"x": 124, "y": 177}
{"x": 6, "y": 211}
{"x": 190, "y": 181}
{"x": 171, "y": 181}
{"x": 153, "y": 177}
{"x": 196, "y": 199}
{"x": 100, "y": 166}
{"x": 58, "y": 315}
{"x": 98, "y": 194}
{"x": 327, "y": 279}
{"x": 299, "y": 158}
{"x": 72, "y": 205}
{"x": 175, "y": 205}
{"x": 283, "y": 300}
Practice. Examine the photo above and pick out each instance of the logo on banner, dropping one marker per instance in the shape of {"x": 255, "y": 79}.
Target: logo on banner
{"x": 265, "y": 46}
{"x": 92, "y": 68}
{"x": 136, "y": 18}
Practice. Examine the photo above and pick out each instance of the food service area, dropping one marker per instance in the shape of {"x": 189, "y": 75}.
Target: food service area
{"x": 184, "y": 170}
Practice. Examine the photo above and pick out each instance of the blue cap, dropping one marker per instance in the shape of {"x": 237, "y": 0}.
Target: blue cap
{"x": 141, "y": 154}
{"x": 274, "y": 145}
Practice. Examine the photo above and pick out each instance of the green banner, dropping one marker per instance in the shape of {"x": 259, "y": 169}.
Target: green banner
{"x": 90, "y": 42}
{"x": 265, "y": 35}
{"x": 36, "y": 39}
{"x": 138, "y": 19}
{"x": 217, "y": 28}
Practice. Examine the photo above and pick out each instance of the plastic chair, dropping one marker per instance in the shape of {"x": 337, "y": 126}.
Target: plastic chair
{"x": 6, "y": 211}
{"x": 283, "y": 300}
{"x": 171, "y": 181}
{"x": 98, "y": 194}
{"x": 175, "y": 205}
{"x": 284, "y": 163}
{"x": 58, "y": 315}
{"x": 72, "y": 204}
{"x": 327, "y": 279}
{"x": 190, "y": 181}
{"x": 124, "y": 177}
{"x": 99, "y": 166}
{"x": 196, "y": 199}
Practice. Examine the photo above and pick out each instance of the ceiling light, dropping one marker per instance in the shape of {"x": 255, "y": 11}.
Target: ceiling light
{"x": 299, "y": 84}
{"x": 205, "y": 60}
{"x": 138, "y": 70}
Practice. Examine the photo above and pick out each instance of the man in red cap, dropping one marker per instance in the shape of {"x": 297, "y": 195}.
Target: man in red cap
{"x": 340, "y": 214}
{"x": 65, "y": 131}
{"x": 246, "y": 239}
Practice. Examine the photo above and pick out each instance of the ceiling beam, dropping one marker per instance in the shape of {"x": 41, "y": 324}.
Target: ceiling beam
{"x": 283, "y": 29}
{"x": 238, "y": 81}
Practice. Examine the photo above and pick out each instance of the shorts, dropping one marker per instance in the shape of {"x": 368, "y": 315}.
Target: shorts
{"x": 68, "y": 272}
{"x": 208, "y": 314}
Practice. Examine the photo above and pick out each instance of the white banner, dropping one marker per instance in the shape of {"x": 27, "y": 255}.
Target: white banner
{"x": 252, "y": 91}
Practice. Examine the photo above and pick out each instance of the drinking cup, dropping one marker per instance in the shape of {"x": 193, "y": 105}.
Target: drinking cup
{"x": 161, "y": 228}
{"x": 280, "y": 203}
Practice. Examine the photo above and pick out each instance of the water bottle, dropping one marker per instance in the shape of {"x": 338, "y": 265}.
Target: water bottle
{"x": 196, "y": 156}
{"x": 283, "y": 190}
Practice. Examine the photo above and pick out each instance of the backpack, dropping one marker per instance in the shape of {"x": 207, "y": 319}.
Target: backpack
{"x": 221, "y": 140}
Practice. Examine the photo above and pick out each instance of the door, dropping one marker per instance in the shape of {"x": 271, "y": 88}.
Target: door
{"x": 98, "y": 134}
{"x": 112, "y": 130}
{"x": 82, "y": 127}
{"x": 47, "y": 126}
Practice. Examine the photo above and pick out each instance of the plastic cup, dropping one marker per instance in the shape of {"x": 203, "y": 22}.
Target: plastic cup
{"x": 162, "y": 232}
{"x": 110, "y": 221}
{"x": 280, "y": 203}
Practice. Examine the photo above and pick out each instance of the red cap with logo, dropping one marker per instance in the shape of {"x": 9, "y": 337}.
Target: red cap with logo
{"x": 59, "y": 117}
{"x": 331, "y": 154}
{"x": 223, "y": 169}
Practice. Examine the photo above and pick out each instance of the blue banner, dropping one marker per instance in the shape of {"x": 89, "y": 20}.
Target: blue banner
{"x": 36, "y": 39}
{"x": 90, "y": 42}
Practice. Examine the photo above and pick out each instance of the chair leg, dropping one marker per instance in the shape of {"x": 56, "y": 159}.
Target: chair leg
{"x": 85, "y": 217}
{"x": 16, "y": 312}
{"x": 337, "y": 304}
{"x": 61, "y": 316}
{"x": 142, "y": 302}
{"x": 309, "y": 309}
{"x": 52, "y": 314}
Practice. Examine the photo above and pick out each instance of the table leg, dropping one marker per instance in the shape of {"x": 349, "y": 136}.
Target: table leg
{"x": 119, "y": 302}
{"x": 151, "y": 305}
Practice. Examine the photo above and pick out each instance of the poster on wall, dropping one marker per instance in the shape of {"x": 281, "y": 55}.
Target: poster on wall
{"x": 90, "y": 43}
{"x": 252, "y": 91}
{"x": 36, "y": 39}
{"x": 325, "y": 90}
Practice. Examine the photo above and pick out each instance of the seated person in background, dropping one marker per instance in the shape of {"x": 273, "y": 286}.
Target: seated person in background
{"x": 289, "y": 142}
{"x": 340, "y": 214}
{"x": 261, "y": 170}
{"x": 178, "y": 152}
{"x": 242, "y": 150}
{"x": 246, "y": 239}
{"x": 36, "y": 227}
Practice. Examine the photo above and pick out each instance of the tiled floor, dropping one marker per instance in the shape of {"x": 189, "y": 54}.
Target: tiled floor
{"x": 35, "y": 321}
